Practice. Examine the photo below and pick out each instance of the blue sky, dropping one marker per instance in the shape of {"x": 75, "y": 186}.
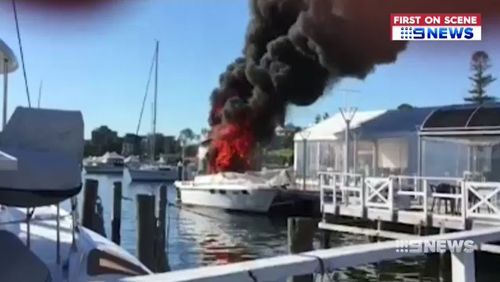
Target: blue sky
{"x": 99, "y": 64}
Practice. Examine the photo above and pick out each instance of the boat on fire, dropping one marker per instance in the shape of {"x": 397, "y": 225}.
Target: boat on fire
{"x": 249, "y": 192}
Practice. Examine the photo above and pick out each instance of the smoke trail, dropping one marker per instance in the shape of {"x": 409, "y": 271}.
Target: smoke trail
{"x": 296, "y": 49}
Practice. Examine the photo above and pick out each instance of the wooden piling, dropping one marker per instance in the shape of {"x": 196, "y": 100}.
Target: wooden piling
{"x": 161, "y": 257}
{"x": 146, "y": 229}
{"x": 300, "y": 239}
{"x": 116, "y": 222}
{"x": 325, "y": 239}
{"x": 89, "y": 204}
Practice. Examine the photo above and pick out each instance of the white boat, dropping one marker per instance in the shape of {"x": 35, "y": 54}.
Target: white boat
{"x": 150, "y": 173}
{"x": 250, "y": 192}
{"x": 40, "y": 168}
{"x": 109, "y": 163}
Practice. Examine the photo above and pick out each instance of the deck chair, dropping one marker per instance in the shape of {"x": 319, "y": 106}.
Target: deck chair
{"x": 48, "y": 145}
{"x": 18, "y": 263}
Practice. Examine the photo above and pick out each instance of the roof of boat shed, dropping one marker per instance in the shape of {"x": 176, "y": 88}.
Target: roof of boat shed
{"x": 394, "y": 123}
{"x": 464, "y": 119}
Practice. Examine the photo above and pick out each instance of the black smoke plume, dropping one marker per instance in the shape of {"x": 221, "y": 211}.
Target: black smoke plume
{"x": 296, "y": 49}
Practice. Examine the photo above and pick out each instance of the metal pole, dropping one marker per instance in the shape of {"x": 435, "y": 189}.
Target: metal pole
{"x": 5, "y": 87}
{"x": 40, "y": 93}
{"x": 58, "y": 227}
{"x": 304, "y": 168}
{"x": 419, "y": 158}
{"x": 153, "y": 145}
{"x": 346, "y": 146}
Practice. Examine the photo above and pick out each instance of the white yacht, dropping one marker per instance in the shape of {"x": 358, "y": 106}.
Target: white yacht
{"x": 40, "y": 168}
{"x": 250, "y": 192}
{"x": 150, "y": 173}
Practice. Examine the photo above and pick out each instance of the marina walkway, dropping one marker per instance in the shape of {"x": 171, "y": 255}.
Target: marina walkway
{"x": 442, "y": 202}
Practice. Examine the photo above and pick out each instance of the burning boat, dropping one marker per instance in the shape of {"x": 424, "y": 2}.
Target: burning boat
{"x": 230, "y": 153}
{"x": 230, "y": 191}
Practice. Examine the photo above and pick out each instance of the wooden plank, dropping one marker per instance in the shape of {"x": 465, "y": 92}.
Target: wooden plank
{"x": 146, "y": 230}
{"x": 89, "y": 204}
{"x": 272, "y": 269}
{"x": 116, "y": 222}
{"x": 300, "y": 239}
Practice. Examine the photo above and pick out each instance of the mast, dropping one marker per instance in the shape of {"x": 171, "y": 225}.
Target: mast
{"x": 153, "y": 143}
{"x": 40, "y": 93}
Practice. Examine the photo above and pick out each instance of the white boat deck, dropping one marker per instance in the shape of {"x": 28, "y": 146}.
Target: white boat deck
{"x": 453, "y": 203}
{"x": 43, "y": 234}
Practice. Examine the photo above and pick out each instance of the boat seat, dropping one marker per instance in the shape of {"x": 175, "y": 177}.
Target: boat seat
{"x": 48, "y": 145}
{"x": 18, "y": 263}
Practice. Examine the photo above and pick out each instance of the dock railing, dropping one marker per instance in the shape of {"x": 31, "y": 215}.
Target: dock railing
{"x": 323, "y": 262}
{"x": 425, "y": 197}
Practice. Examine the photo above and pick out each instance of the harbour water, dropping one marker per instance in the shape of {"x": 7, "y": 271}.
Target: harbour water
{"x": 199, "y": 237}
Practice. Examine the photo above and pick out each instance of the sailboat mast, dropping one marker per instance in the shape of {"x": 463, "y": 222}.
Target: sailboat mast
{"x": 155, "y": 101}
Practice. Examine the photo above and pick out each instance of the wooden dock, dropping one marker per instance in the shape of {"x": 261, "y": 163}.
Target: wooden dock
{"x": 440, "y": 202}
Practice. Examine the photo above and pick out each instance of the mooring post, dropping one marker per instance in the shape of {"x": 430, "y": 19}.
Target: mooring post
{"x": 463, "y": 268}
{"x": 89, "y": 204}
{"x": 325, "y": 239}
{"x": 146, "y": 227}
{"x": 300, "y": 239}
{"x": 162, "y": 264}
{"x": 116, "y": 222}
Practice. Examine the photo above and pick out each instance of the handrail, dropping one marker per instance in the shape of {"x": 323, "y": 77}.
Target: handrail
{"x": 319, "y": 261}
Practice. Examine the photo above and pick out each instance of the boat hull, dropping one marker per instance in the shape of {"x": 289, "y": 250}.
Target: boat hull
{"x": 115, "y": 170}
{"x": 149, "y": 175}
{"x": 248, "y": 200}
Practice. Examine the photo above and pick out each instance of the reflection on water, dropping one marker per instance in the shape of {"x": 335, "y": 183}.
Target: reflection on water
{"x": 198, "y": 236}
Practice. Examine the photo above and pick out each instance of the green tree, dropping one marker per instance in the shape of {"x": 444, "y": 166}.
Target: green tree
{"x": 480, "y": 63}
{"x": 405, "y": 106}
{"x": 186, "y": 136}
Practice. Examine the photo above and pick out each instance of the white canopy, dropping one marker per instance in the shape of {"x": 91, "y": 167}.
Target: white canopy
{"x": 132, "y": 159}
{"x": 7, "y": 53}
{"x": 48, "y": 145}
{"x": 111, "y": 155}
{"x": 327, "y": 129}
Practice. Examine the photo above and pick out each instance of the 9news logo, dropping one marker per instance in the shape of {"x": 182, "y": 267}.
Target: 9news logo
{"x": 436, "y": 27}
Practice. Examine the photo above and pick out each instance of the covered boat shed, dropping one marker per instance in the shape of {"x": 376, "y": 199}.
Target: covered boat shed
{"x": 388, "y": 143}
{"x": 461, "y": 141}
{"x": 323, "y": 146}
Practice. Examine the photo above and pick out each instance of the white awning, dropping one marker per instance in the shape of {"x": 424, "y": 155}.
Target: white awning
{"x": 7, "y": 53}
{"x": 327, "y": 129}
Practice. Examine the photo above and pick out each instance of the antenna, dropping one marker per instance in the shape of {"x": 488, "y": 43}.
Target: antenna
{"x": 346, "y": 91}
{"x": 40, "y": 93}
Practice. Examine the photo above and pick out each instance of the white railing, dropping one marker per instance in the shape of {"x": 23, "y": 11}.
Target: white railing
{"x": 326, "y": 261}
{"x": 483, "y": 195}
{"x": 348, "y": 187}
{"x": 426, "y": 195}
{"x": 379, "y": 192}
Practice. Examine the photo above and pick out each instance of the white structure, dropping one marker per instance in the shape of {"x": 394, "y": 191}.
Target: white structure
{"x": 39, "y": 240}
{"x": 323, "y": 262}
{"x": 8, "y": 64}
{"x": 112, "y": 158}
{"x": 324, "y": 146}
{"x": 251, "y": 192}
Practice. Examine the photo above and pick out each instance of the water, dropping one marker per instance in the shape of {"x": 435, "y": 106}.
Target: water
{"x": 199, "y": 237}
